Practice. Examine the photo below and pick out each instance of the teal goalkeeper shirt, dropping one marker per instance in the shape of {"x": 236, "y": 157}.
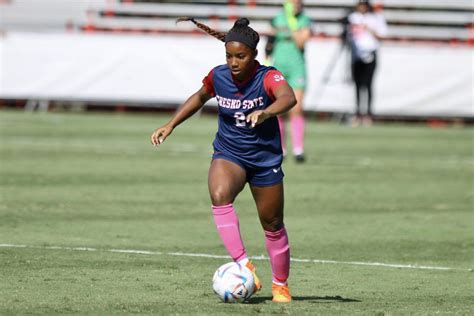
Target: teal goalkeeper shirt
{"x": 285, "y": 48}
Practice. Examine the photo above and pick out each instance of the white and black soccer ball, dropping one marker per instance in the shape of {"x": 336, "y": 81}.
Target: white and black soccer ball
{"x": 233, "y": 282}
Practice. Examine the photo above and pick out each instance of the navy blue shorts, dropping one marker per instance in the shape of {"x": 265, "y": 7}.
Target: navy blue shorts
{"x": 260, "y": 177}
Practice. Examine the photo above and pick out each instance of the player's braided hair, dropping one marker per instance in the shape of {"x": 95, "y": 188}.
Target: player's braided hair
{"x": 240, "y": 32}
{"x": 219, "y": 35}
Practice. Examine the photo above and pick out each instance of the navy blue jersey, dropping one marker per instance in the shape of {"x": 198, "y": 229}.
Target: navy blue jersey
{"x": 257, "y": 147}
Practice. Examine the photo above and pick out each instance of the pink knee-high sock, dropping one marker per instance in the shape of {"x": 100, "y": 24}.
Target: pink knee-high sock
{"x": 279, "y": 252}
{"x": 297, "y": 134}
{"x": 281, "y": 123}
{"x": 228, "y": 227}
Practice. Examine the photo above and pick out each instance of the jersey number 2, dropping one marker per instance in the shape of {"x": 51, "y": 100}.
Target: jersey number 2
{"x": 239, "y": 119}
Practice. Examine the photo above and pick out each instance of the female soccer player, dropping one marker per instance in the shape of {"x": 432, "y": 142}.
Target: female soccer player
{"x": 291, "y": 30}
{"x": 247, "y": 146}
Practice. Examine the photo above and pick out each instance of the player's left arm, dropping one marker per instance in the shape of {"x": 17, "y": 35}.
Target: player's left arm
{"x": 284, "y": 100}
{"x": 301, "y": 36}
{"x": 303, "y": 33}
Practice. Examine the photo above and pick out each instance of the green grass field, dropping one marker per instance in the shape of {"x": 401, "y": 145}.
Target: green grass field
{"x": 390, "y": 194}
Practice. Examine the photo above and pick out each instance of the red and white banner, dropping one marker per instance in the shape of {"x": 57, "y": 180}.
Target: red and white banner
{"x": 411, "y": 79}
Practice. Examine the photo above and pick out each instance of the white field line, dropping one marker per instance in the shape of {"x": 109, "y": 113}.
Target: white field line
{"x": 204, "y": 255}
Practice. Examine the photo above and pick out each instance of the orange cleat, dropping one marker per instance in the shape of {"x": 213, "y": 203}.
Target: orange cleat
{"x": 281, "y": 293}
{"x": 256, "y": 280}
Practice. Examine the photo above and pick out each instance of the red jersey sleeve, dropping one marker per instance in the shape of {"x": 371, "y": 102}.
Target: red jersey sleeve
{"x": 273, "y": 79}
{"x": 209, "y": 83}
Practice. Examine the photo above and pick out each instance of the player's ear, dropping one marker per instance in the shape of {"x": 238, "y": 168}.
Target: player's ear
{"x": 255, "y": 54}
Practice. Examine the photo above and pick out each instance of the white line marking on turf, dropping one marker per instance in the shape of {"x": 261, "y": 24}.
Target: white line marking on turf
{"x": 139, "y": 252}
{"x": 205, "y": 255}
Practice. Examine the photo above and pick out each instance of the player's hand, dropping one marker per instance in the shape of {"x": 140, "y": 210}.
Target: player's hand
{"x": 160, "y": 134}
{"x": 257, "y": 117}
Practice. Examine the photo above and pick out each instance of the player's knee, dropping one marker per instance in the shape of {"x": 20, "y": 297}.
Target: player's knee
{"x": 272, "y": 224}
{"x": 219, "y": 196}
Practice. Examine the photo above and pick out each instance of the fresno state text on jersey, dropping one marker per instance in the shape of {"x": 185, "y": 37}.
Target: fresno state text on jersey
{"x": 259, "y": 146}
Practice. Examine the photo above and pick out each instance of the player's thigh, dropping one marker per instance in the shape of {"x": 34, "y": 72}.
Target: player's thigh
{"x": 297, "y": 110}
{"x": 225, "y": 181}
{"x": 270, "y": 202}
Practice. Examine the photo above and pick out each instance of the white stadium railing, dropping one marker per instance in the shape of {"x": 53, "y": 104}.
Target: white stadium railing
{"x": 432, "y": 19}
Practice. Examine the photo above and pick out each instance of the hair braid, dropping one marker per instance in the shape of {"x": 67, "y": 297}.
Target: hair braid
{"x": 219, "y": 35}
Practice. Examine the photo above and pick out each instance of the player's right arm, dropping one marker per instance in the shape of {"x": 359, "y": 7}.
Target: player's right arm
{"x": 185, "y": 111}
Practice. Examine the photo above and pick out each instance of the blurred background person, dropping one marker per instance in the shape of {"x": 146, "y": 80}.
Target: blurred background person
{"x": 291, "y": 29}
{"x": 366, "y": 27}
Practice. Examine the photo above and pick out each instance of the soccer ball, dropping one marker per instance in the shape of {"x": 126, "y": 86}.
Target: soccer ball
{"x": 233, "y": 282}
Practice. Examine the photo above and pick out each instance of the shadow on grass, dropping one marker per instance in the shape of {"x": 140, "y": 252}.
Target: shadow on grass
{"x": 312, "y": 299}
